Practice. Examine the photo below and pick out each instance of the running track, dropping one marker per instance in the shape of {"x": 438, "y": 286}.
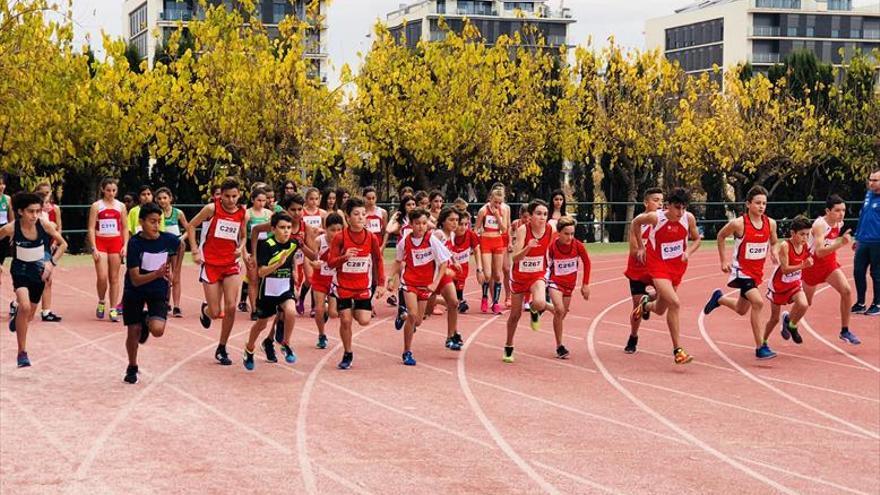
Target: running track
{"x": 601, "y": 422}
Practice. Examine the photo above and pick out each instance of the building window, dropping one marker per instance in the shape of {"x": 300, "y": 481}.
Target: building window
{"x": 140, "y": 43}
{"x": 280, "y": 10}
{"x": 137, "y": 21}
{"x": 839, "y": 4}
{"x": 778, "y": 4}
{"x": 524, "y": 6}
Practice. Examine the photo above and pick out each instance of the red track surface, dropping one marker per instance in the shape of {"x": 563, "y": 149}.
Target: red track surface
{"x": 603, "y": 421}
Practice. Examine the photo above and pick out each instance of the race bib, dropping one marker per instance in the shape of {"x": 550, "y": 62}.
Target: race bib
{"x": 463, "y": 257}
{"x": 326, "y": 271}
{"x": 4, "y": 217}
{"x": 173, "y": 229}
{"x": 263, "y": 235}
{"x": 299, "y": 257}
{"x": 357, "y": 264}
{"x": 756, "y": 250}
{"x": 31, "y": 254}
{"x": 791, "y": 277}
{"x": 151, "y": 262}
{"x": 226, "y": 230}
{"x": 108, "y": 226}
{"x": 531, "y": 264}
{"x": 422, "y": 256}
{"x": 374, "y": 225}
{"x": 277, "y": 286}
{"x": 565, "y": 267}
{"x": 491, "y": 222}
{"x": 671, "y": 250}
{"x": 313, "y": 221}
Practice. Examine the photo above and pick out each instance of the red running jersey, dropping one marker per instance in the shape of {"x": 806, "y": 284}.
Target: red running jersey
{"x": 109, "y": 222}
{"x": 750, "y": 250}
{"x": 223, "y": 236}
{"x": 667, "y": 243}
{"x": 564, "y": 261}
{"x": 636, "y": 271}
{"x": 462, "y": 247}
{"x": 533, "y": 265}
{"x": 781, "y": 284}
{"x": 355, "y": 276}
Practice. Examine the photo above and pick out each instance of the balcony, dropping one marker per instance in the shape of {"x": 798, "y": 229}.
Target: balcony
{"x": 871, "y": 34}
{"x": 476, "y": 11}
{"x": 176, "y": 14}
{"x": 766, "y": 58}
{"x": 777, "y": 4}
{"x": 766, "y": 31}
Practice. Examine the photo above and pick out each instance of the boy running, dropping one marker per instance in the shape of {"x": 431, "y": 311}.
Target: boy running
{"x": 567, "y": 257}
{"x": 636, "y": 271}
{"x": 322, "y": 277}
{"x": 784, "y": 286}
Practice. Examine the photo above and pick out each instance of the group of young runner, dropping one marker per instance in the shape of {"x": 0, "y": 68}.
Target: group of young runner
{"x": 269, "y": 258}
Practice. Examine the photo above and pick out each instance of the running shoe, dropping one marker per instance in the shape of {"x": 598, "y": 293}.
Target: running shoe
{"x": 301, "y": 307}
{"x": 243, "y": 307}
{"x": 496, "y": 309}
{"x": 176, "y": 312}
{"x": 858, "y": 308}
{"x": 119, "y": 308}
{"x": 392, "y": 300}
{"x": 682, "y": 357}
{"x": 527, "y": 306}
{"x": 849, "y": 337}
{"x": 248, "y": 360}
{"x": 764, "y": 352}
{"x": 289, "y": 355}
{"x": 452, "y": 345}
{"x": 535, "y": 320}
{"x": 23, "y": 360}
{"x": 203, "y": 317}
{"x": 562, "y": 352}
{"x": 631, "y": 344}
{"x": 347, "y": 358}
{"x": 400, "y": 319}
{"x": 785, "y": 333}
{"x": 713, "y": 303}
{"x": 322, "y": 341}
{"x": 508, "y": 355}
{"x": 874, "y": 310}
{"x": 408, "y": 359}
{"x": 484, "y": 305}
{"x": 222, "y": 356}
{"x": 101, "y": 309}
{"x": 279, "y": 330}
{"x": 457, "y": 337}
{"x": 269, "y": 349}
{"x": 463, "y": 307}
{"x": 12, "y": 316}
{"x": 254, "y": 316}
{"x": 51, "y": 317}
{"x": 13, "y": 308}
{"x": 641, "y": 310}
{"x": 114, "y": 315}
{"x": 131, "y": 375}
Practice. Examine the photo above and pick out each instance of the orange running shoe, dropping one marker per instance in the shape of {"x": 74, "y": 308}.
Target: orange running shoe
{"x": 682, "y": 357}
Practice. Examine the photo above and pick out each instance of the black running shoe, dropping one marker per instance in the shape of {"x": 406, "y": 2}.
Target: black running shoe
{"x": 50, "y": 317}
{"x": 457, "y": 338}
{"x": 12, "y": 316}
{"x": 795, "y": 335}
{"x": 203, "y": 317}
{"x": 631, "y": 345}
{"x": 400, "y": 320}
{"x": 23, "y": 360}
{"x": 347, "y": 358}
{"x": 562, "y": 352}
{"x": 248, "y": 360}
{"x": 243, "y": 307}
{"x": 145, "y": 333}
{"x": 254, "y": 316}
{"x": 131, "y": 375}
{"x": 222, "y": 356}
{"x": 463, "y": 307}
{"x": 858, "y": 308}
{"x": 269, "y": 349}
{"x": 176, "y": 312}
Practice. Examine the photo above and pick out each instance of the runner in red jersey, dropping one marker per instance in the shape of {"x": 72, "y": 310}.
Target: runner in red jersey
{"x": 218, "y": 256}
{"x": 784, "y": 286}
{"x": 529, "y": 271}
{"x": 52, "y": 213}
{"x": 421, "y": 262}
{"x": 322, "y": 277}
{"x": 464, "y": 244}
{"x": 357, "y": 257}
{"x": 666, "y": 257}
{"x": 636, "y": 271}
{"x": 447, "y": 223}
{"x": 826, "y": 238}
{"x": 754, "y": 238}
{"x": 398, "y": 225}
{"x": 493, "y": 224}
{"x": 313, "y": 216}
{"x": 514, "y": 227}
{"x": 108, "y": 235}
{"x": 567, "y": 257}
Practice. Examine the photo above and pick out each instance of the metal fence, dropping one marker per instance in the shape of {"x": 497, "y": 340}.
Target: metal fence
{"x": 597, "y": 222}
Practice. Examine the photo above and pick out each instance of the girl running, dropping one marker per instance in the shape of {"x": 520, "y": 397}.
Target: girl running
{"x": 357, "y": 257}
{"x": 257, "y": 214}
{"x": 558, "y": 208}
{"x": 421, "y": 262}
{"x": 175, "y": 224}
{"x": 328, "y": 200}
{"x": 52, "y": 213}
{"x": 529, "y": 269}
{"x": 784, "y": 286}
{"x": 377, "y": 217}
{"x": 435, "y": 199}
{"x": 33, "y": 262}
{"x": 422, "y": 200}
{"x": 398, "y": 225}
{"x": 449, "y": 219}
{"x": 826, "y": 238}
{"x": 492, "y": 224}
{"x": 313, "y": 217}
{"x": 464, "y": 244}
{"x": 322, "y": 277}
{"x": 565, "y": 255}
{"x": 108, "y": 235}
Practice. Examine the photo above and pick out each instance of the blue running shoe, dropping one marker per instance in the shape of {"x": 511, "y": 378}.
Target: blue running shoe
{"x": 248, "y": 360}
{"x": 764, "y": 352}
{"x": 400, "y": 320}
{"x": 347, "y": 358}
{"x": 279, "y": 330}
{"x": 408, "y": 359}
{"x": 322, "y": 342}
{"x": 24, "y": 362}
{"x": 785, "y": 333}
{"x": 712, "y": 305}
{"x": 289, "y": 355}
{"x": 849, "y": 337}
{"x": 874, "y": 310}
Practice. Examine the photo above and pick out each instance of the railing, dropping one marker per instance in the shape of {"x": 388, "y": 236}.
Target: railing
{"x": 176, "y": 15}
{"x": 597, "y": 222}
{"x": 777, "y": 4}
{"x": 840, "y": 5}
{"x": 766, "y": 58}
{"x": 766, "y": 31}
{"x": 871, "y": 34}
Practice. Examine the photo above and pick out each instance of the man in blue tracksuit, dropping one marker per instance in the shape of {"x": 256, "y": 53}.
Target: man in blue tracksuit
{"x": 867, "y": 248}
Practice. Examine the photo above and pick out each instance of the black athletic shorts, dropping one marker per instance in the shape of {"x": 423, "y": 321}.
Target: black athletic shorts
{"x": 268, "y": 306}
{"x": 743, "y": 284}
{"x": 35, "y": 288}
{"x": 637, "y": 288}
{"x": 356, "y": 304}
{"x": 133, "y": 303}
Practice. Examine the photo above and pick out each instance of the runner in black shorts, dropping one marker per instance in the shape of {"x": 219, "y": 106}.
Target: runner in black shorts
{"x": 275, "y": 257}
{"x": 147, "y": 278}
{"x": 32, "y": 262}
